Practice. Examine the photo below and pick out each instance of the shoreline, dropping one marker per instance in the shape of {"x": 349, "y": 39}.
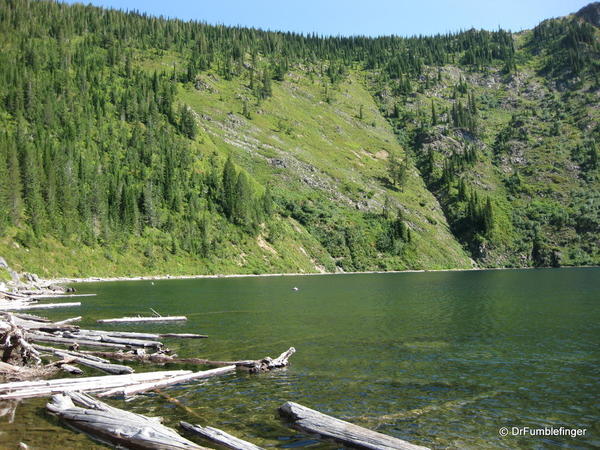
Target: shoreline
{"x": 68, "y": 280}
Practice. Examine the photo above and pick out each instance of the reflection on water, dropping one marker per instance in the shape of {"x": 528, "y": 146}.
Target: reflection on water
{"x": 439, "y": 359}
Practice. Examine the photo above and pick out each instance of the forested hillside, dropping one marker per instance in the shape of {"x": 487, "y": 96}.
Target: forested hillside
{"x": 134, "y": 145}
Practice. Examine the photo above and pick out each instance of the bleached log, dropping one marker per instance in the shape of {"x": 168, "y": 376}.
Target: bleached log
{"x": 61, "y": 295}
{"x": 115, "y": 425}
{"x": 33, "y": 317}
{"x": 67, "y": 321}
{"x": 253, "y": 365}
{"x": 71, "y": 369}
{"x": 14, "y": 337}
{"x": 219, "y": 437}
{"x": 43, "y": 348}
{"x": 147, "y": 386}
{"x": 43, "y": 388}
{"x": 143, "y": 319}
{"x": 24, "y": 307}
{"x": 143, "y": 336}
{"x": 38, "y": 337}
{"x": 92, "y": 336}
{"x": 105, "y": 367}
{"x": 349, "y": 434}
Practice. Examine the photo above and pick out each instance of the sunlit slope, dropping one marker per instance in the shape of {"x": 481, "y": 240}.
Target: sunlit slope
{"x": 329, "y": 165}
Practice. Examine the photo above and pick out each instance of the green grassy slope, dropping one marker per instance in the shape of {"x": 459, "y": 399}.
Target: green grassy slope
{"x": 326, "y": 167}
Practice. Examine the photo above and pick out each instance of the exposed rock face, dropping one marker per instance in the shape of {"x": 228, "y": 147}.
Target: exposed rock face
{"x": 590, "y": 13}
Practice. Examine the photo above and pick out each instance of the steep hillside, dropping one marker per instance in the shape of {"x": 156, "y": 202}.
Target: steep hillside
{"x": 135, "y": 145}
{"x": 510, "y": 149}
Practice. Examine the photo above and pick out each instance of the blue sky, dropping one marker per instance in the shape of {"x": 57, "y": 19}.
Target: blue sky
{"x": 364, "y": 17}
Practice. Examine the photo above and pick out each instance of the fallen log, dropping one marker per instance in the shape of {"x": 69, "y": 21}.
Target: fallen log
{"x": 219, "y": 437}
{"x": 33, "y": 295}
{"x": 38, "y": 337}
{"x": 349, "y": 434}
{"x": 71, "y": 369}
{"x": 143, "y": 319}
{"x": 35, "y": 318}
{"x": 90, "y": 335}
{"x": 43, "y": 348}
{"x": 43, "y": 388}
{"x": 253, "y": 365}
{"x": 66, "y": 321}
{"x": 119, "y": 427}
{"x": 115, "y": 369}
{"x": 23, "y": 307}
{"x": 148, "y": 386}
{"x": 183, "y": 335}
{"x": 142, "y": 336}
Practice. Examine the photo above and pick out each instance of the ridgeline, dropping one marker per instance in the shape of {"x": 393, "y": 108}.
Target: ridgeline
{"x": 135, "y": 145}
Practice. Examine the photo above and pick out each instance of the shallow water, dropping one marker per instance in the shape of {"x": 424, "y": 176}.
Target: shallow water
{"x": 440, "y": 359}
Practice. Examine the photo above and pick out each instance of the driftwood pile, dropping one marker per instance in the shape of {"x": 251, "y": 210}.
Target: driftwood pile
{"x": 24, "y": 345}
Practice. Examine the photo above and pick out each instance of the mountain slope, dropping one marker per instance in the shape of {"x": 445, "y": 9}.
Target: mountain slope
{"x": 136, "y": 145}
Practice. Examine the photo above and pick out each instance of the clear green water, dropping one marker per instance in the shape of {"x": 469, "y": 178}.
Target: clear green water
{"x": 440, "y": 359}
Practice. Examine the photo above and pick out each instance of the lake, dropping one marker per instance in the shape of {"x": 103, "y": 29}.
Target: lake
{"x": 441, "y": 359}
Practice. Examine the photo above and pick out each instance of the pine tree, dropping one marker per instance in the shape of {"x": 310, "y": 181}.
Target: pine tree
{"x": 229, "y": 180}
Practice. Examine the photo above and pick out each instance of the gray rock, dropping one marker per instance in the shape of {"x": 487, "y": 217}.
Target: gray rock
{"x": 3, "y": 263}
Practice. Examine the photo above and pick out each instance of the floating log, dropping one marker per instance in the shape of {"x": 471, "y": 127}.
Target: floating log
{"x": 71, "y": 369}
{"x": 43, "y": 348}
{"x": 115, "y": 369}
{"x": 43, "y": 388}
{"x": 38, "y": 337}
{"x": 219, "y": 437}
{"x": 92, "y": 336}
{"x": 147, "y": 386}
{"x": 349, "y": 434}
{"x": 253, "y": 365}
{"x": 33, "y": 295}
{"x": 119, "y": 427}
{"x": 143, "y": 336}
{"x": 67, "y": 321}
{"x": 23, "y": 307}
{"x": 35, "y": 318}
{"x": 143, "y": 319}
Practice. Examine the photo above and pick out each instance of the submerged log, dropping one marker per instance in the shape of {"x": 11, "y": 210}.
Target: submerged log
{"x": 349, "y": 434}
{"x": 143, "y": 319}
{"x": 43, "y": 388}
{"x": 148, "y": 386}
{"x": 219, "y": 437}
{"x": 115, "y": 425}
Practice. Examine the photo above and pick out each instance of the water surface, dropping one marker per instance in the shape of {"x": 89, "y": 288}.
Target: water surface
{"x": 440, "y": 359}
